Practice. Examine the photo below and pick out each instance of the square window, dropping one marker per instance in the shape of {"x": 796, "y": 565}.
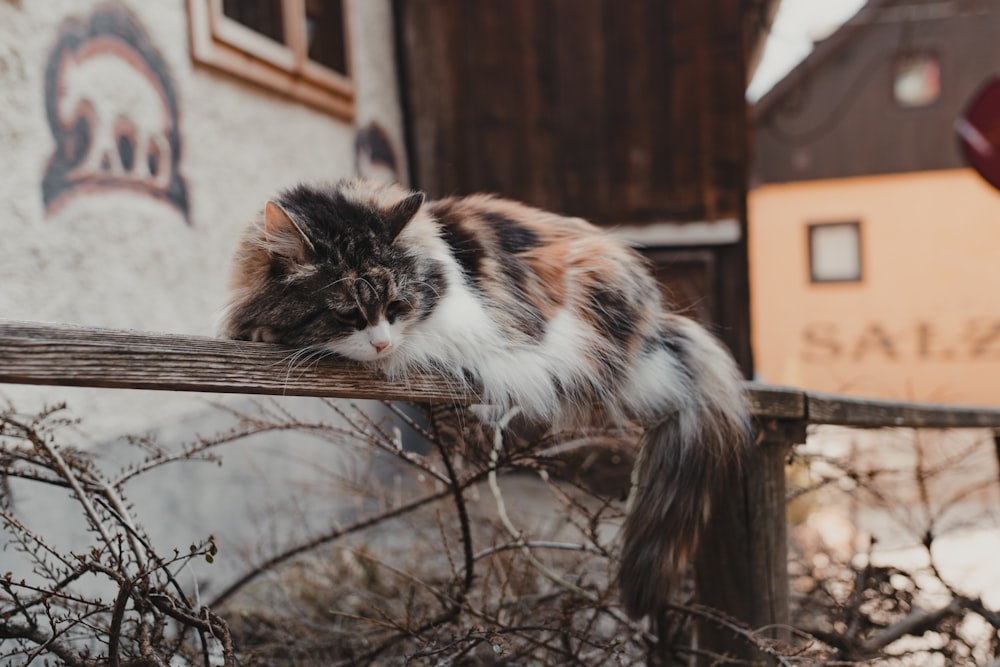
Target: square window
{"x": 263, "y": 16}
{"x": 295, "y": 47}
{"x": 916, "y": 80}
{"x": 325, "y": 34}
{"x": 835, "y": 252}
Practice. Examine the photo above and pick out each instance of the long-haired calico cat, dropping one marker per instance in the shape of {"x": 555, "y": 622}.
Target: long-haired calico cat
{"x": 528, "y": 308}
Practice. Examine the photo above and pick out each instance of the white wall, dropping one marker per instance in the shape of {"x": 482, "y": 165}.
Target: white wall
{"x": 119, "y": 257}
{"x": 123, "y": 257}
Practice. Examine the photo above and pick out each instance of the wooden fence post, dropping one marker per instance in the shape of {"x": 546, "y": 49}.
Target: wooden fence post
{"x": 742, "y": 566}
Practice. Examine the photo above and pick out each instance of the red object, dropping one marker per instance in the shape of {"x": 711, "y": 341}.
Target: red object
{"x": 978, "y": 132}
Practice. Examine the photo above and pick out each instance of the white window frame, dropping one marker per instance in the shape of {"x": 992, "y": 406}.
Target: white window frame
{"x": 819, "y": 275}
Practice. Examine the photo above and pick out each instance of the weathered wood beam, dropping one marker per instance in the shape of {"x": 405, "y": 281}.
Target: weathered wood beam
{"x": 59, "y": 354}
{"x": 767, "y": 402}
{"x": 872, "y": 413}
{"x": 68, "y": 355}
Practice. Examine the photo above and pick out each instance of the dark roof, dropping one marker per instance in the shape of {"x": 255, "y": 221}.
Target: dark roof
{"x": 821, "y": 53}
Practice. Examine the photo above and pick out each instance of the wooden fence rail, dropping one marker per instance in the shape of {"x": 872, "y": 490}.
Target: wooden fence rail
{"x": 743, "y": 567}
{"x": 67, "y": 355}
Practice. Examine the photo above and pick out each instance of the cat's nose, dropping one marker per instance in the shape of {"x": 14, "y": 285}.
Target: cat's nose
{"x": 380, "y": 336}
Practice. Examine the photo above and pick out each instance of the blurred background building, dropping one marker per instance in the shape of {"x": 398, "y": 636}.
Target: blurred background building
{"x": 873, "y": 265}
{"x": 873, "y": 243}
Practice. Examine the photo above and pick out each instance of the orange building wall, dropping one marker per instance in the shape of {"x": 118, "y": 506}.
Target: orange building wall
{"x": 923, "y": 323}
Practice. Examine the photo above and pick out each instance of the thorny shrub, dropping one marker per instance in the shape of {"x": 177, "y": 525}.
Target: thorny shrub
{"x": 484, "y": 549}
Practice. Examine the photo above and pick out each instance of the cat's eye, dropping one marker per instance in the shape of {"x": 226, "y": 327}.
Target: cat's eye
{"x": 353, "y": 317}
{"x": 396, "y": 309}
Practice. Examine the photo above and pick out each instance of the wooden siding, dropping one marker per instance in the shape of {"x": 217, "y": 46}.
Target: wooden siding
{"x": 834, "y": 116}
{"x": 619, "y": 112}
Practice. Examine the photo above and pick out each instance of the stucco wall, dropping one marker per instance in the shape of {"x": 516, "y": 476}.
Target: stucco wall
{"x": 923, "y": 323}
{"x": 152, "y": 252}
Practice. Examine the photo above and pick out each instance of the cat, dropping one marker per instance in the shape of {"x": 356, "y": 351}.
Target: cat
{"x": 530, "y": 309}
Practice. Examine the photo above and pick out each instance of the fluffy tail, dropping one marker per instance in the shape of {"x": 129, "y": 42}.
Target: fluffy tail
{"x": 685, "y": 456}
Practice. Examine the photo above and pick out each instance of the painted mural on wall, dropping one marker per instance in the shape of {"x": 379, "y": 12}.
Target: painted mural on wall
{"x": 113, "y": 113}
{"x": 374, "y": 154}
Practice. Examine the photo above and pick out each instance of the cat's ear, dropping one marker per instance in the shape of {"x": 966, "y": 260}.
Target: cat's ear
{"x": 400, "y": 214}
{"x": 284, "y": 236}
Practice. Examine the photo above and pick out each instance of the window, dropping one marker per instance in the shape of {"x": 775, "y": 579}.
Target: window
{"x": 916, "y": 80}
{"x": 835, "y": 252}
{"x": 295, "y": 47}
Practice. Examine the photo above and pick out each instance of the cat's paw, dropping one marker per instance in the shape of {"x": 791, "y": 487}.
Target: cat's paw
{"x": 263, "y": 335}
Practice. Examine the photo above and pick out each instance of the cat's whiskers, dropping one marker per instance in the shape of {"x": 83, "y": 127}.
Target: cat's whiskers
{"x": 406, "y": 301}
{"x": 311, "y": 354}
{"x": 335, "y": 282}
{"x": 456, "y": 381}
{"x": 362, "y": 279}
{"x": 295, "y": 354}
{"x": 425, "y": 283}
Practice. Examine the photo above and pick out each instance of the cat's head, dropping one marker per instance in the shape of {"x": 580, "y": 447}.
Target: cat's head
{"x": 322, "y": 266}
